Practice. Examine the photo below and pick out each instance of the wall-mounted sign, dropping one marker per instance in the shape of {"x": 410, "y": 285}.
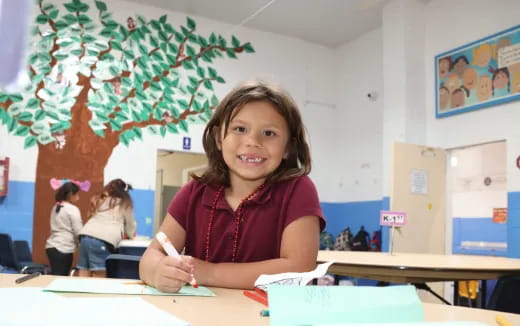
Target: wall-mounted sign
{"x": 389, "y": 218}
{"x": 419, "y": 182}
{"x": 499, "y": 215}
{"x": 186, "y": 143}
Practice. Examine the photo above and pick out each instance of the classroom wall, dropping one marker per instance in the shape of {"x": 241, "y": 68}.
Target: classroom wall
{"x": 470, "y": 20}
{"x": 306, "y": 70}
{"x": 171, "y": 164}
{"x": 357, "y": 174}
{"x": 346, "y": 130}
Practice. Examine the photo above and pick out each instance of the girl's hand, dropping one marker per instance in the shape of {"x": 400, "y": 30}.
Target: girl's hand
{"x": 172, "y": 273}
{"x": 202, "y": 271}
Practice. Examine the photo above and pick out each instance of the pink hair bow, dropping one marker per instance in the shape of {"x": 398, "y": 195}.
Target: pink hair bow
{"x": 83, "y": 185}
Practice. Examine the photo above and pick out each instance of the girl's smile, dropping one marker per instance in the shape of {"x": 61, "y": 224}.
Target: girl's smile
{"x": 255, "y": 143}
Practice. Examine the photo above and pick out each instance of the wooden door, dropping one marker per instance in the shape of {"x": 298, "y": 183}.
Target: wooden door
{"x": 419, "y": 189}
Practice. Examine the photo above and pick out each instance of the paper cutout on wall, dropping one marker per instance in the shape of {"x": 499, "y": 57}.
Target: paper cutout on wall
{"x": 98, "y": 82}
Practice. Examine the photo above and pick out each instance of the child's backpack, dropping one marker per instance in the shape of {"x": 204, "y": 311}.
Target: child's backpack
{"x": 361, "y": 240}
{"x": 343, "y": 240}
{"x": 375, "y": 242}
{"x": 326, "y": 241}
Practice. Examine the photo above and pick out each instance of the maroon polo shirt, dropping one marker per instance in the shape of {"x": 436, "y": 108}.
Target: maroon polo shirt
{"x": 264, "y": 219}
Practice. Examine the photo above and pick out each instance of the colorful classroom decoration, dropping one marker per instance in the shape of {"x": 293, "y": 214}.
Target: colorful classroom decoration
{"x": 480, "y": 74}
{"x": 97, "y": 82}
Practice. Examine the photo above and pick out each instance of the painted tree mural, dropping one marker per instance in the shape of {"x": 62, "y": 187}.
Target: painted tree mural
{"x": 98, "y": 83}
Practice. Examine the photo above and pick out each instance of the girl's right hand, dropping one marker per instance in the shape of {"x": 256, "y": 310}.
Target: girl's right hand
{"x": 172, "y": 273}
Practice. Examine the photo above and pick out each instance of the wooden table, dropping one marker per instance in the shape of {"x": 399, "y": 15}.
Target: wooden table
{"x": 418, "y": 268}
{"x": 231, "y": 307}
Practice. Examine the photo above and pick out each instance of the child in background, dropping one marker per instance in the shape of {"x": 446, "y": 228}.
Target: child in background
{"x": 254, "y": 210}
{"x": 110, "y": 214}
{"x": 65, "y": 226}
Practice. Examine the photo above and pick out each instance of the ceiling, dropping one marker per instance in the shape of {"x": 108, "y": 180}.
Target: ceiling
{"x": 327, "y": 22}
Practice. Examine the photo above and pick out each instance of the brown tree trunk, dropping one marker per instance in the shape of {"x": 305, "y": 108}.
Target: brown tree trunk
{"x": 83, "y": 157}
{"x": 67, "y": 164}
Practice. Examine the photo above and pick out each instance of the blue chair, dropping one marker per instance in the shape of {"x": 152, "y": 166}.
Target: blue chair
{"x": 122, "y": 266}
{"x": 9, "y": 260}
{"x": 130, "y": 250}
{"x": 22, "y": 252}
{"x": 506, "y": 295}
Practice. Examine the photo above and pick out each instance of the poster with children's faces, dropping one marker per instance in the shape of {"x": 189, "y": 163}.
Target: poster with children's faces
{"x": 481, "y": 74}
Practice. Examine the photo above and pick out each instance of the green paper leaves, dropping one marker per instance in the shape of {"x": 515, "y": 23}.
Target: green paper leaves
{"x": 134, "y": 74}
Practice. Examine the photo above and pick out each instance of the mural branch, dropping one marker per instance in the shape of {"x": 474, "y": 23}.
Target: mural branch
{"x": 96, "y": 83}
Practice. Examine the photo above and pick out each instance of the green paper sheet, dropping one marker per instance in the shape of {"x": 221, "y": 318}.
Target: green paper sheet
{"x": 439, "y": 323}
{"x": 311, "y": 305}
{"x": 118, "y": 286}
{"x": 32, "y": 306}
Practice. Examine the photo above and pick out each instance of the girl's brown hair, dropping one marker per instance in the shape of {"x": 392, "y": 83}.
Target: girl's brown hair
{"x": 117, "y": 191}
{"x": 298, "y": 159}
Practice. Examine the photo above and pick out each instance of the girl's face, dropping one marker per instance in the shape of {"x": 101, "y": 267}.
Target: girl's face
{"x": 515, "y": 85}
{"x": 484, "y": 88}
{"x": 470, "y": 78}
{"x": 460, "y": 66}
{"x": 452, "y": 82}
{"x": 483, "y": 56}
{"x": 73, "y": 197}
{"x": 500, "y": 80}
{"x": 255, "y": 144}
{"x": 444, "y": 67}
{"x": 457, "y": 99}
{"x": 444, "y": 98}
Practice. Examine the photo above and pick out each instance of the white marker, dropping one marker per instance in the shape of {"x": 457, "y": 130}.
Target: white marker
{"x": 171, "y": 251}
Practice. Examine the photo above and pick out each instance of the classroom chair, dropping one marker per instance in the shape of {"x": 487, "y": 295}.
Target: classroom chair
{"x": 131, "y": 250}
{"x": 22, "y": 252}
{"x": 122, "y": 266}
{"x": 10, "y": 261}
{"x": 506, "y": 295}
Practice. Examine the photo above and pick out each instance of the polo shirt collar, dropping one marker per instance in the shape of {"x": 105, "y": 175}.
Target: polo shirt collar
{"x": 210, "y": 191}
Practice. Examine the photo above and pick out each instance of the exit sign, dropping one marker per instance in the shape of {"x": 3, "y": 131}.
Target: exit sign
{"x": 392, "y": 218}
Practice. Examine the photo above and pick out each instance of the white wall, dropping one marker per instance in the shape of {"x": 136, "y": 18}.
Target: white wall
{"x": 173, "y": 164}
{"x": 358, "y": 151}
{"x": 306, "y": 70}
{"x": 467, "y": 21}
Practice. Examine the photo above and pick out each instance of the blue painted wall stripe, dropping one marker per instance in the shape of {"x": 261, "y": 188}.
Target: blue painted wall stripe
{"x": 16, "y": 211}
{"x": 16, "y": 218}
{"x": 513, "y": 224}
{"x": 352, "y": 215}
{"x": 478, "y": 229}
{"x": 144, "y": 210}
{"x": 385, "y": 234}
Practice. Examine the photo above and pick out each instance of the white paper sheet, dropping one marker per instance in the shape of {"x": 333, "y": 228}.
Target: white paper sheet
{"x": 300, "y": 279}
{"x": 32, "y": 306}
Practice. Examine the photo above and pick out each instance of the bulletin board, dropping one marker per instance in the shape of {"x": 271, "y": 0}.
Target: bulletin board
{"x": 480, "y": 74}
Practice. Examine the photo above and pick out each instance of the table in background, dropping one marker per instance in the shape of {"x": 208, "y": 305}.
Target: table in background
{"x": 133, "y": 247}
{"x": 419, "y": 268}
{"x": 231, "y": 307}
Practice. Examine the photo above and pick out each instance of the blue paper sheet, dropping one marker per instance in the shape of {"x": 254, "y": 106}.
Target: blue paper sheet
{"x": 32, "y": 306}
{"x": 310, "y": 305}
{"x": 118, "y": 286}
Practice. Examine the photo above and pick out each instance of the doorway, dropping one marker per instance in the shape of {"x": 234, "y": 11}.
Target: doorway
{"x": 476, "y": 192}
{"x": 172, "y": 172}
{"x": 476, "y": 189}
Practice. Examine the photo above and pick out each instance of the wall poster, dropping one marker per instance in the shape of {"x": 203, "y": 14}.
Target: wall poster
{"x": 480, "y": 74}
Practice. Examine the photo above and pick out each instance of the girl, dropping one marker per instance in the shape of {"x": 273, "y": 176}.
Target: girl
{"x": 65, "y": 226}
{"x": 501, "y": 83}
{"x": 254, "y": 210}
{"x": 110, "y": 213}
